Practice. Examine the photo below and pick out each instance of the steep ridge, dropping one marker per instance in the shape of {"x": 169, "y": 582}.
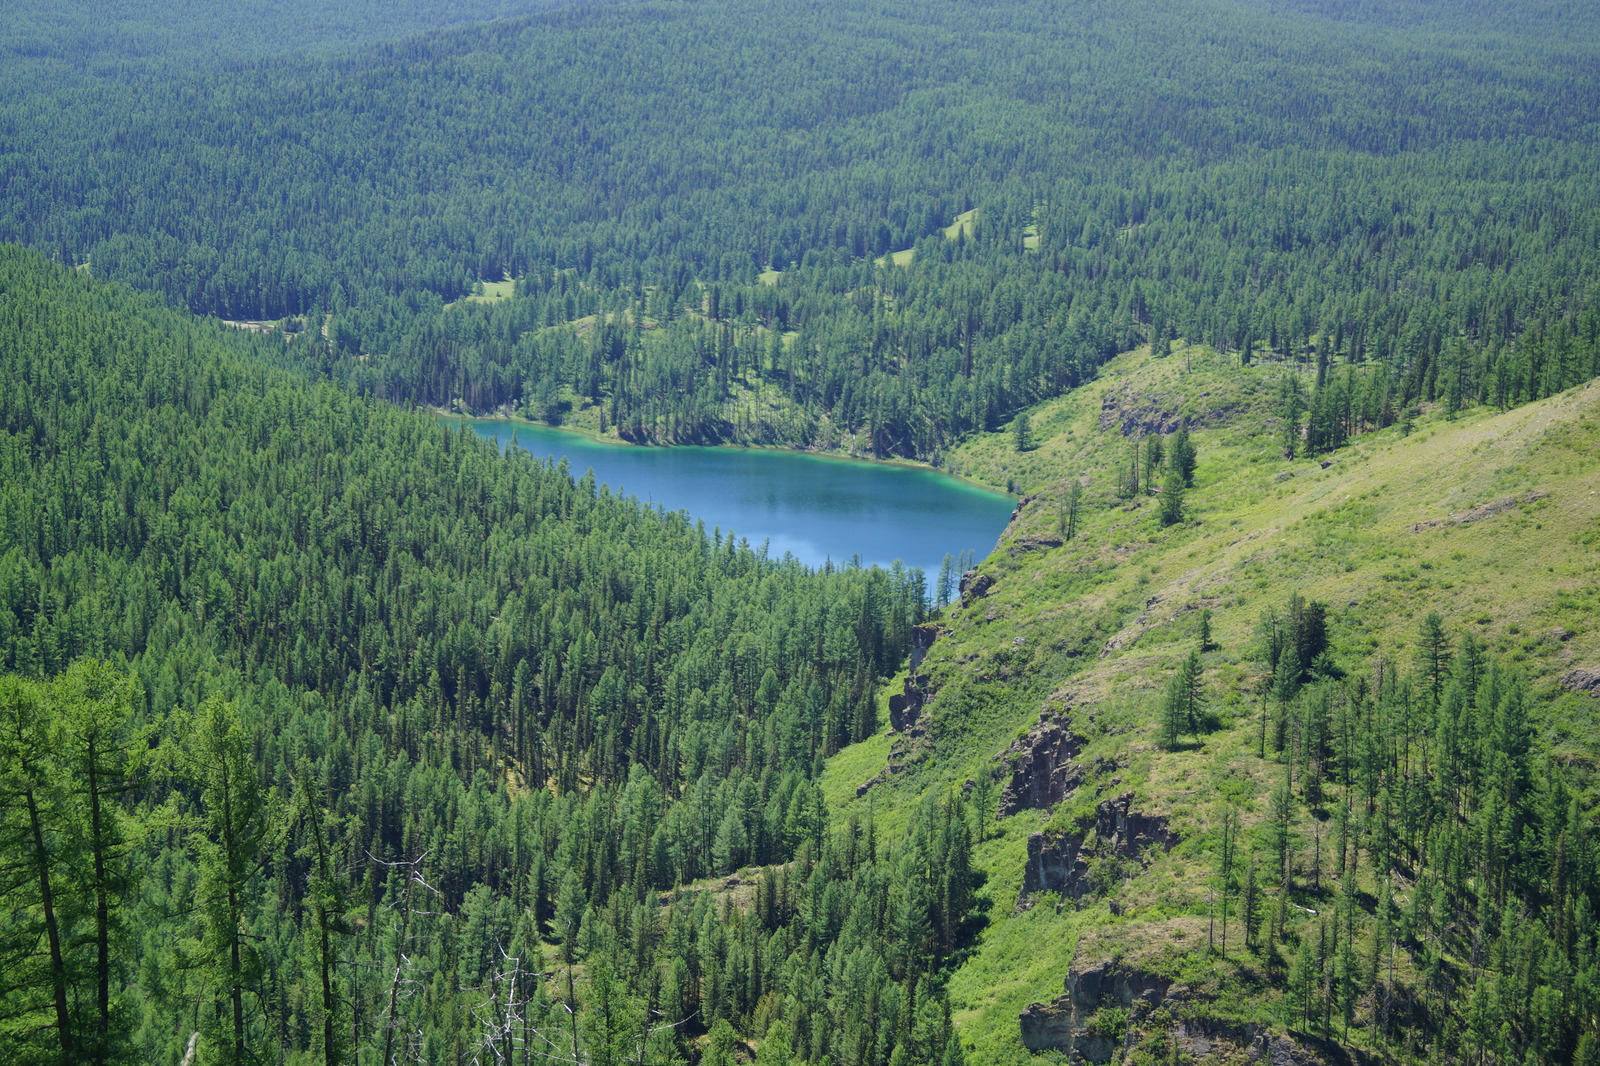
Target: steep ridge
{"x": 1051, "y": 695}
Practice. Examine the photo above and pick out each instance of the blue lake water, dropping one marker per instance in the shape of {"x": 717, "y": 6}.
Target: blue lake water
{"x": 813, "y": 507}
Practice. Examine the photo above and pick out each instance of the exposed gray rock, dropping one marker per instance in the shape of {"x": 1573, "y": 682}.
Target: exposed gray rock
{"x": 1060, "y": 862}
{"x": 1055, "y": 864}
{"x": 905, "y": 706}
{"x": 1068, "y": 1024}
{"x": 1064, "y": 1024}
{"x": 1024, "y": 545}
{"x": 905, "y": 710}
{"x": 1584, "y": 679}
{"x": 1485, "y": 510}
{"x": 1043, "y": 768}
{"x": 974, "y": 586}
{"x": 922, "y": 638}
{"x": 1130, "y": 832}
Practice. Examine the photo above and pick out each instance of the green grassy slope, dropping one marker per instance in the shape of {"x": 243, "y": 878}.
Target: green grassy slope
{"x": 1491, "y": 519}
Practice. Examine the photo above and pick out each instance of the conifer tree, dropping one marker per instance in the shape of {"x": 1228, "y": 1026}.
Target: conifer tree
{"x": 1180, "y": 713}
{"x": 1022, "y": 433}
{"x": 230, "y": 837}
{"x": 1183, "y": 456}
{"x": 1171, "y": 499}
{"x": 36, "y": 992}
{"x": 93, "y": 703}
{"x": 1067, "y": 522}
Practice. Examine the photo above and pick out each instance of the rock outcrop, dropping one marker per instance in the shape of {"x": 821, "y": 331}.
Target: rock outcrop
{"x": 905, "y": 710}
{"x": 1104, "y": 1002}
{"x": 1061, "y": 862}
{"x": 1111, "y": 1006}
{"x": 1024, "y": 545}
{"x": 1485, "y": 510}
{"x": 905, "y": 706}
{"x": 1583, "y": 680}
{"x": 1044, "y": 770}
{"x": 1200, "y": 1039}
{"x": 974, "y": 586}
{"x": 922, "y": 638}
{"x": 1056, "y": 863}
{"x": 1129, "y": 833}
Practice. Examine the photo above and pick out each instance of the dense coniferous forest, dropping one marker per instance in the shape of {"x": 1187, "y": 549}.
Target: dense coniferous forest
{"x": 1408, "y": 192}
{"x": 329, "y": 734}
{"x": 315, "y": 707}
{"x": 73, "y": 42}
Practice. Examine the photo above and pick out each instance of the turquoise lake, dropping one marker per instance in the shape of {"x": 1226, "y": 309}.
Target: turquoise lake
{"x": 813, "y": 507}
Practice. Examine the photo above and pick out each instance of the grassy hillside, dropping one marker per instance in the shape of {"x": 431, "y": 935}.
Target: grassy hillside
{"x": 1490, "y": 519}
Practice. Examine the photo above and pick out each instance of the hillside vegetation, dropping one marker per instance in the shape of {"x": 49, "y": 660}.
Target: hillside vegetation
{"x": 328, "y": 731}
{"x": 1268, "y": 731}
{"x": 738, "y": 221}
{"x": 1406, "y": 815}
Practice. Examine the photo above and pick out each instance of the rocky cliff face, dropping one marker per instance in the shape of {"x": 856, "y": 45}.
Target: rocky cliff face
{"x": 974, "y": 586}
{"x": 1061, "y": 862}
{"x": 1044, "y": 770}
{"x": 1055, "y": 864}
{"x": 905, "y": 710}
{"x": 1583, "y": 680}
{"x": 1103, "y": 1005}
{"x": 905, "y": 706}
{"x": 1111, "y": 1005}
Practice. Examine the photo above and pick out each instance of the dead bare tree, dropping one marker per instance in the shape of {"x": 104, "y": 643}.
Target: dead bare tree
{"x": 402, "y": 984}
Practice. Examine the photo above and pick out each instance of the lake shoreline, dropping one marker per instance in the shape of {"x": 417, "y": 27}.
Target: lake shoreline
{"x": 819, "y": 453}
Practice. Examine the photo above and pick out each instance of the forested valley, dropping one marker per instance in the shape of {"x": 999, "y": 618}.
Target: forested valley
{"x": 329, "y": 734}
{"x": 868, "y": 226}
{"x": 322, "y": 721}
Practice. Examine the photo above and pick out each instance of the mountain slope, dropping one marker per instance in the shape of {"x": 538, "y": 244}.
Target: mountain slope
{"x": 1049, "y": 681}
{"x": 691, "y": 203}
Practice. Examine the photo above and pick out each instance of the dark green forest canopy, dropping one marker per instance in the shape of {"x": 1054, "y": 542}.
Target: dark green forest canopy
{"x": 1406, "y": 184}
{"x": 161, "y": 489}
{"x": 698, "y": 131}
{"x": 389, "y": 721}
{"x": 341, "y": 663}
{"x": 50, "y": 42}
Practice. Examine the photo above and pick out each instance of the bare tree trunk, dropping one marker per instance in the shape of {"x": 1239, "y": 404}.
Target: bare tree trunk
{"x": 58, "y": 967}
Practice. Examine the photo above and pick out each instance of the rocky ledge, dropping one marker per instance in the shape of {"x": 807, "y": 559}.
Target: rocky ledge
{"x": 1044, "y": 767}
{"x": 1094, "y": 1021}
{"x": 1584, "y": 679}
{"x": 1061, "y": 862}
{"x": 1113, "y": 1006}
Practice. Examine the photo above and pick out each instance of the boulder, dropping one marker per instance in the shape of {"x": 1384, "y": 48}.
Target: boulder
{"x": 1584, "y": 679}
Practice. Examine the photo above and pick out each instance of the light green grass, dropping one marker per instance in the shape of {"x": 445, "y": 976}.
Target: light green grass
{"x": 1100, "y": 622}
{"x": 963, "y": 224}
{"x": 1016, "y": 961}
{"x": 852, "y": 767}
{"x": 487, "y": 292}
